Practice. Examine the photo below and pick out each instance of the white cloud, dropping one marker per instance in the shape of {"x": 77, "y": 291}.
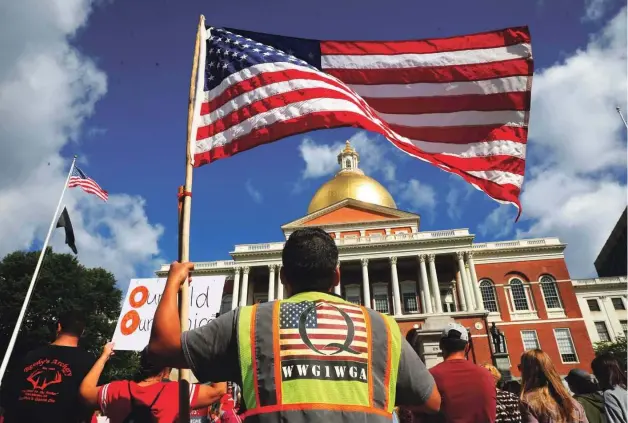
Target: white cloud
{"x": 459, "y": 192}
{"x": 574, "y": 124}
{"x": 499, "y": 222}
{"x": 577, "y": 149}
{"x": 594, "y": 9}
{"x": 418, "y": 195}
{"x": 255, "y": 194}
{"x": 47, "y": 90}
{"x": 320, "y": 159}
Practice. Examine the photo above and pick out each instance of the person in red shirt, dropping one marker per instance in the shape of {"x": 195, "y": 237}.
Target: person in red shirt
{"x": 115, "y": 398}
{"x": 467, "y": 390}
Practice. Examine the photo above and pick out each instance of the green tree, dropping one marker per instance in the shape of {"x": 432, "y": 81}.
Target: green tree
{"x": 618, "y": 349}
{"x": 63, "y": 284}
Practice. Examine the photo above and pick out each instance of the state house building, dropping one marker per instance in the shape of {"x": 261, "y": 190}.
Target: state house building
{"x": 425, "y": 279}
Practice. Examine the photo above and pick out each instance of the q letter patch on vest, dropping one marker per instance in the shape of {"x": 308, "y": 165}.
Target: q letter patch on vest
{"x": 325, "y": 341}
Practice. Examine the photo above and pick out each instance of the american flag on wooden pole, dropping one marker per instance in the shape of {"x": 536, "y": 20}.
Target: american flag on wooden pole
{"x": 460, "y": 103}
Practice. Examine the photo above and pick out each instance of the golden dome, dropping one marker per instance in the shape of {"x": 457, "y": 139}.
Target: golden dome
{"x": 350, "y": 182}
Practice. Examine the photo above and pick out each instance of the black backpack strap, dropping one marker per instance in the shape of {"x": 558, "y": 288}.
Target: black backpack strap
{"x": 128, "y": 384}
{"x": 157, "y": 397}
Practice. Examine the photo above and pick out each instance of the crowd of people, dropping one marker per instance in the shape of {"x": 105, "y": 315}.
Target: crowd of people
{"x": 291, "y": 360}
{"x": 474, "y": 394}
{"x": 59, "y": 383}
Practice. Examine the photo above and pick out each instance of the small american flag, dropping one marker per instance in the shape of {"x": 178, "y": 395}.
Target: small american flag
{"x": 80, "y": 179}
{"x": 326, "y": 328}
{"x": 459, "y": 103}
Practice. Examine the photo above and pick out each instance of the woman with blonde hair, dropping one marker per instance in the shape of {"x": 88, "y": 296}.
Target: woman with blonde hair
{"x": 543, "y": 395}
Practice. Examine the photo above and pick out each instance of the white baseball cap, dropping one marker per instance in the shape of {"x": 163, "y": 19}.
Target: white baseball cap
{"x": 455, "y": 331}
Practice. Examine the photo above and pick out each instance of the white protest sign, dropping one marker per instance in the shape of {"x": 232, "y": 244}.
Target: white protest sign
{"x": 136, "y": 318}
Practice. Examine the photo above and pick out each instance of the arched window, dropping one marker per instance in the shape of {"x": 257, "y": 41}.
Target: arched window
{"x": 348, "y": 163}
{"x": 519, "y": 297}
{"x": 550, "y": 292}
{"x": 489, "y": 297}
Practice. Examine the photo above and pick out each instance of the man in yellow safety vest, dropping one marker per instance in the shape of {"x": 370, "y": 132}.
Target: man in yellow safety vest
{"x": 311, "y": 357}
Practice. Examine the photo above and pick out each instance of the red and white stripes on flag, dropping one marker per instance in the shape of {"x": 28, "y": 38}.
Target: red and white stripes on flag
{"x": 78, "y": 178}
{"x": 459, "y": 103}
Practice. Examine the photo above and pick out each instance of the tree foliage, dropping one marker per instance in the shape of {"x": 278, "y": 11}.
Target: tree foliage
{"x": 618, "y": 349}
{"x": 63, "y": 284}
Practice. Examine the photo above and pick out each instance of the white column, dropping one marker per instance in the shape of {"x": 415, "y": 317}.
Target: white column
{"x": 465, "y": 281}
{"x": 472, "y": 304}
{"x": 236, "y": 288}
{"x": 366, "y": 288}
{"x": 425, "y": 285}
{"x": 454, "y": 294}
{"x": 279, "y": 284}
{"x": 395, "y": 286}
{"x": 337, "y": 288}
{"x": 244, "y": 296}
{"x": 271, "y": 282}
{"x": 479, "y": 304}
{"x": 438, "y": 304}
{"x": 460, "y": 291}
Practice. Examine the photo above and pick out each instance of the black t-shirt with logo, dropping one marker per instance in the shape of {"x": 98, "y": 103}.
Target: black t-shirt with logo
{"x": 45, "y": 386}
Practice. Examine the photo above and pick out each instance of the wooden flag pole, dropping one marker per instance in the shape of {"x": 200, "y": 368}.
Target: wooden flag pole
{"x": 184, "y": 229}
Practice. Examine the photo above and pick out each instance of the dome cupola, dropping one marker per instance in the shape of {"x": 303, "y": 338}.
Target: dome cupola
{"x": 350, "y": 182}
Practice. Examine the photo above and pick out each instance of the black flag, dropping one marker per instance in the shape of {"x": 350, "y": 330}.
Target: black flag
{"x": 64, "y": 222}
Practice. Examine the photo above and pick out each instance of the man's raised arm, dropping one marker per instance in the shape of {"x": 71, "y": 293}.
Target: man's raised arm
{"x": 164, "y": 346}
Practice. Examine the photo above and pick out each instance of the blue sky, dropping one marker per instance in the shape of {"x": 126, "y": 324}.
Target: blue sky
{"x": 123, "y": 108}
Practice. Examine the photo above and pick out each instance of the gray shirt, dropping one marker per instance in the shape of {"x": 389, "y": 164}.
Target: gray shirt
{"x": 211, "y": 351}
{"x": 615, "y": 404}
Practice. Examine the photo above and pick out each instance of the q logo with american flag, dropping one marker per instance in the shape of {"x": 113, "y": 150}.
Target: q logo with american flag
{"x": 323, "y": 340}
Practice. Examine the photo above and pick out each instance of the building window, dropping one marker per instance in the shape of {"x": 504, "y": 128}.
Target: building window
{"x": 618, "y": 303}
{"x": 624, "y": 327}
{"x": 352, "y": 294}
{"x": 519, "y": 296}
{"x": 489, "y": 297}
{"x": 225, "y": 305}
{"x": 550, "y": 292}
{"x": 530, "y": 340}
{"x": 408, "y": 296}
{"x": 410, "y": 304}
{"x": 602, "y": 332}
{"x": 565, "y": 345}
{"x": 348, "y": 163}
{"x": 380, "y": 298}
{"x": 593, "y": 304}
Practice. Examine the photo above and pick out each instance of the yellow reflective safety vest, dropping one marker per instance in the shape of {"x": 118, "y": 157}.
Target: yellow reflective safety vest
{"x": 316, "y": 357}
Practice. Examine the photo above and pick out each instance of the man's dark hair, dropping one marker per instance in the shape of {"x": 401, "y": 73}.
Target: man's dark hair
{"x": 452, "y": 343}
{"x": 310, "y": 258}
{"x": 581, "y": 383}
{"x": 608, "y": 372}
{"x": 72, "y": 323}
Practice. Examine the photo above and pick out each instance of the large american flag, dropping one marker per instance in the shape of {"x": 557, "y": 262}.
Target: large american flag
{"x": 459, "y": 103}
{"x": 324, "y": 326}
{"x": 78, "y": 178}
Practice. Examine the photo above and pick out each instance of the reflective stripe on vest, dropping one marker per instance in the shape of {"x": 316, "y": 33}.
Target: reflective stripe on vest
{"x": 316, "y": 351}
